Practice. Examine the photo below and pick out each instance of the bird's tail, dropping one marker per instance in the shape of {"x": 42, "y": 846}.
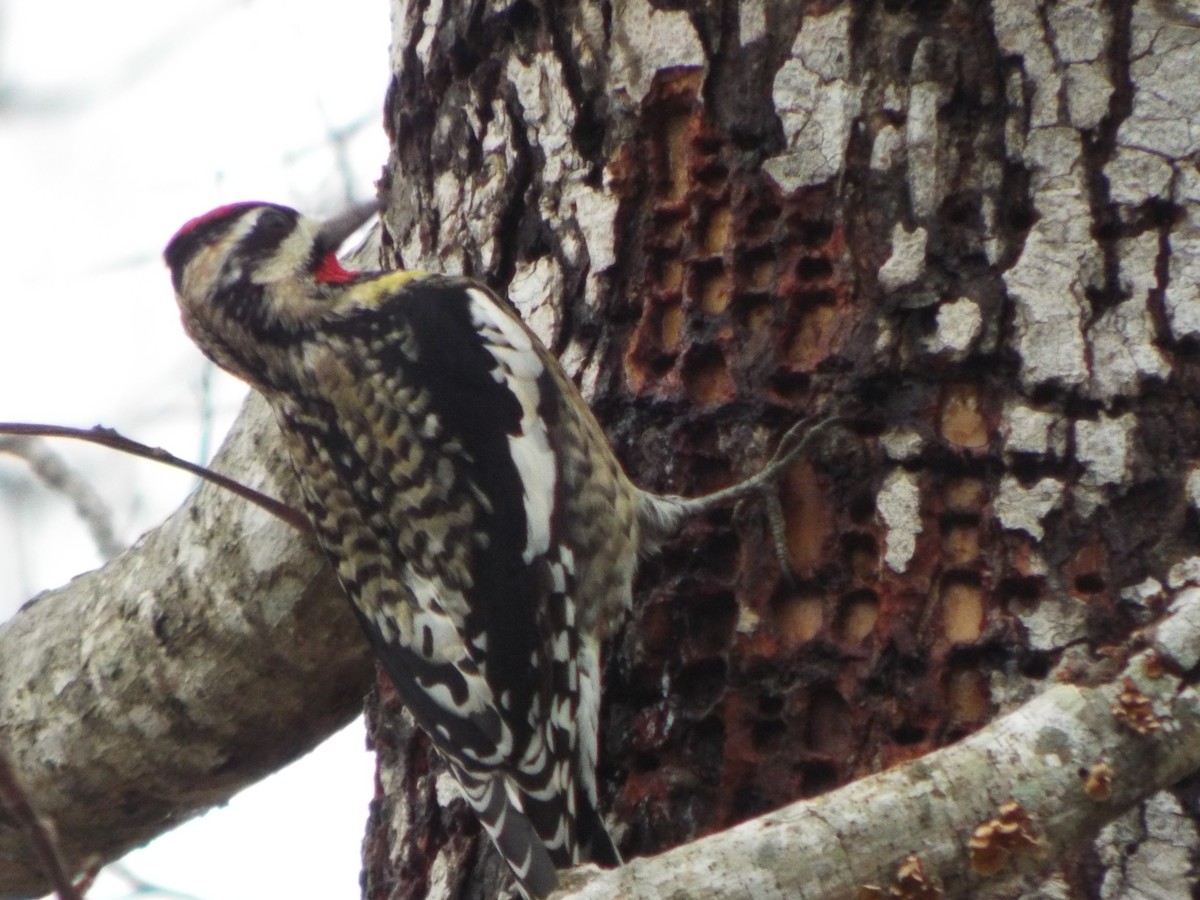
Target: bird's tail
{"x": 501, "y": 812}
{"x": 537, "y": 837}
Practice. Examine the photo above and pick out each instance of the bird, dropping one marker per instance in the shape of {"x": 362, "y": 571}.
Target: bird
{"x": 464, "y": 494}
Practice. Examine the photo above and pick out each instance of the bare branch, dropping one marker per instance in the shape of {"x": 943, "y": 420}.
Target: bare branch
{"x": 211, "y": 653}
{"x": 1052, "y": 773}
{"x": 140, "y": 887}
{"x": 40, "y": 831}
{"x": 54, "y": 472}
{"x": 107, "y": 437}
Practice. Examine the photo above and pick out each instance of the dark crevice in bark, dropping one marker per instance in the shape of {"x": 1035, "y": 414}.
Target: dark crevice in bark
{"x": 1099, "y": 146}
{"x": 522, "y": 188}
{"x": 591, "y": 126}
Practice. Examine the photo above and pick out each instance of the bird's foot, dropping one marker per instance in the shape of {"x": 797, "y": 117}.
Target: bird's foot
{"x": 798, "y": 439}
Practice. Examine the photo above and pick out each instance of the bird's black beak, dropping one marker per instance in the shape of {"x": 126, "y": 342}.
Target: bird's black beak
{"x": 334, "y": 232}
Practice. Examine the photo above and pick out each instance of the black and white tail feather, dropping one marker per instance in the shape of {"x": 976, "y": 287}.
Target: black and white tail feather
{"x": 463, "y": 492}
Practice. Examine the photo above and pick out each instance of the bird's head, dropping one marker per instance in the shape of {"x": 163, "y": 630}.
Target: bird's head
{"x": 256, "y": 274}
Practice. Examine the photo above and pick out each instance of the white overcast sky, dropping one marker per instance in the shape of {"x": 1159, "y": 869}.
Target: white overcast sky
{"x": 119, "y": 121}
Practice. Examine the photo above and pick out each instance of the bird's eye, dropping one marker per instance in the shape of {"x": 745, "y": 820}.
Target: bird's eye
{"x": 273, "y": 222}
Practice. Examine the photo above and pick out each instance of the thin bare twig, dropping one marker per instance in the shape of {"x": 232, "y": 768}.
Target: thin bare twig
{"x": 40, "y": 831}
{"x": 54, "y": 472}
{"x": 107, "y": 437}
{"x": 140, "y": 887}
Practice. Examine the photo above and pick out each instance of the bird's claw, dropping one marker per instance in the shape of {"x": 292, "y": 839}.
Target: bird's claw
{"x": 794, "y": 442}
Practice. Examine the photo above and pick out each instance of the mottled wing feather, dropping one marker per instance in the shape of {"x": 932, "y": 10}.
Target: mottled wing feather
{"x": 512, "y": 832}
{"x": 484, "y": 645}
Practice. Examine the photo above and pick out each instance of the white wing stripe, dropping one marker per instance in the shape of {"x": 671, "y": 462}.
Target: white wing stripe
{"x": 519, "y": 367}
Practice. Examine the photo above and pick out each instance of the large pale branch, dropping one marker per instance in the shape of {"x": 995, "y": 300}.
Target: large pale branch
{"x": 1066, "y": 763}
{"x": 219, "y": 647}
{"x": 211, "y": 653}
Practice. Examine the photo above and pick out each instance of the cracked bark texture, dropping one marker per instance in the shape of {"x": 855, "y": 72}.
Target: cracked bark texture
{"x": 970, "y": 226}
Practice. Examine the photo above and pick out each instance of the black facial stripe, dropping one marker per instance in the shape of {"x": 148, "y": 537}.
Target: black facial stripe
{"x": 273, "y": 227}
{"x": 318, "y": 254}
{"x": 187, "y": 243}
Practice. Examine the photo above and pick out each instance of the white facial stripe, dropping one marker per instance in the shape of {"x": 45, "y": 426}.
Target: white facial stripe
{"x": 518, "y": 368}
{"x": 203, "y": 270}
{"x": 292, "y": 254}
{"x": 243, "y": 227}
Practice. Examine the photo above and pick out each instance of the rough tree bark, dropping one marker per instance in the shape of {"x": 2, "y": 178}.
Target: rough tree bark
{"x": 970, "y": 227}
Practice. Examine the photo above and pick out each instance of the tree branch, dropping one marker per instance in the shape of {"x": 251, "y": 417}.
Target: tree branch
{"x": 107, "y": 437}
{"x": 40, "y": 833}
{"x": 214, "y": 651}
{"x": 55, "y": 474}
{"x": 219, "y": 648}
{"x": 1022, "y": 791}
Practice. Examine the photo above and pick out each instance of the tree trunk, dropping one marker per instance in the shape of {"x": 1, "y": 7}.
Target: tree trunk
{"x": 968, "y": 228}
{"x": 959, "y": 225}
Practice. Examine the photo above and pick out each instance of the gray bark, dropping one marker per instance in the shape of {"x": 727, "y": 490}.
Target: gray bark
{"x": 971, "y": 227}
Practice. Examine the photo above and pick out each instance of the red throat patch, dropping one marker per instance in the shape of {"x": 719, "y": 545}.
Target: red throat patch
{"x": 331, "y": 272}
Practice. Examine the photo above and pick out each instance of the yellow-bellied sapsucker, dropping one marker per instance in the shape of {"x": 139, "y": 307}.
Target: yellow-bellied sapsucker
{"x": 464, "y": 493}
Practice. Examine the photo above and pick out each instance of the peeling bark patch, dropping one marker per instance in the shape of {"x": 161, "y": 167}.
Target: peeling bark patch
{"x": 725, "y": 256}
{"x": 1177, "y": 640}
{"x": 958, "y": 325}
{"x": 1028, "y": 430}
{"x": 647, "y": 40}
{"x": 962, "y": 610}
{"x": 1149, "y": 852}
{"x": 899, "y": 505}
{"x": 816, "y": 102}
{"x": 907, "y": 261}
{"x": 1166, "y": 105}
{"x": 1022, "y": 508}
{"x": 1182, "y": 295}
